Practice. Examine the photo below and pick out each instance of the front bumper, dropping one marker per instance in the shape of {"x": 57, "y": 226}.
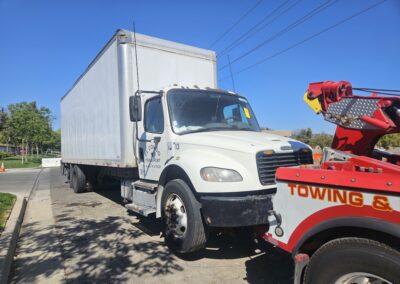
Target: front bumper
{"x": 237, "y": 209}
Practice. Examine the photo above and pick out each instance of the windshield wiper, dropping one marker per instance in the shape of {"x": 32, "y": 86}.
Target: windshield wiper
{"x": 234, "y": 127}
{"x": 207, "y": 129}
{"x": 245, "y": 128}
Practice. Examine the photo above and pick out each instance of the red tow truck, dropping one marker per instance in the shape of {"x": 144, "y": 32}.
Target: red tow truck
{"x": 340, "y": 220}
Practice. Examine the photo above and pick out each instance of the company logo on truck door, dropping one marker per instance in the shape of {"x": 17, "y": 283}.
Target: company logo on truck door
{"x": 346, "y": 197}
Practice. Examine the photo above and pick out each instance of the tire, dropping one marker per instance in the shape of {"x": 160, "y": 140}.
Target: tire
{"x": 193, "y": 237}
{"x": 78, "y": 180}
{"x": 349, "y": 258}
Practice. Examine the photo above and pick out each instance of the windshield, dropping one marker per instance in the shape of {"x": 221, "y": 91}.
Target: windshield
{"x": 197, "y": 110}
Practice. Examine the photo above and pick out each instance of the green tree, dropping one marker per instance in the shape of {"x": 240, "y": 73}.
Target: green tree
{"x": 28, "y": 126}
{"x": 3, "y": 118}
{"x": 321, "y": 139}
{"x": 303, "y": 135}
{"x": 42, "y": 128}
{"x": 389, "y": 140}
{"x": 54, "y": 142}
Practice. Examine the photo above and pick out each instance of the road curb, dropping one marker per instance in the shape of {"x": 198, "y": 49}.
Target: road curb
{"x": 9, "y": 237}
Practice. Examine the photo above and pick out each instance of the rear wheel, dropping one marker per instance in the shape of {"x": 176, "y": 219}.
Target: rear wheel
{"x": 353, "y": 261}
{"x": 78, "y": 179}
{"x": 184, "y": 228}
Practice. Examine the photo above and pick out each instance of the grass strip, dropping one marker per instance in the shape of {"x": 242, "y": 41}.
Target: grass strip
{"x": 7, "y": 201}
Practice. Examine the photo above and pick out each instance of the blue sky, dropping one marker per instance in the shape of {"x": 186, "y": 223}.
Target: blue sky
{"x": 45, "y": 46}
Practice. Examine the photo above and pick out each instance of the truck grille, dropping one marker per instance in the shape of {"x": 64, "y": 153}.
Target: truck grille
{"x": 267, "y": 164}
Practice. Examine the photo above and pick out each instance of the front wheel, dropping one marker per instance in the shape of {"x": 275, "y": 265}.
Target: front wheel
{"x": 353, "y": 260}
{"x": 184, "y": 228}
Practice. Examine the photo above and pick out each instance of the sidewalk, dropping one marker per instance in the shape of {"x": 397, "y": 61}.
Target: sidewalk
{"x": 38, "y": 258}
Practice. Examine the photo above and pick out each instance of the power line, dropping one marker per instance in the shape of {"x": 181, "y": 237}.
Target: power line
{"x": 250, "y": 32}
{"x": 230, "y": 68}
{"x": 372, "y": 90}
{"x": 308, "y": 38}
{"x": 377, "y": 91}
{"x": 236, "y": 23}
{"x": 291, "y": 26}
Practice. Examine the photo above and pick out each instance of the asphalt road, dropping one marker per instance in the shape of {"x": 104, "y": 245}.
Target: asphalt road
{"x": 18, "y": 181}
{"x": 91, "y": 237}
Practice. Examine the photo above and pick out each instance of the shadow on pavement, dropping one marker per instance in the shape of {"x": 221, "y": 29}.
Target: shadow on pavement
{"x": 102, "y": 250}
{"x": 97, "y": 245}
{"x": 37, "y": 255}
{"x": 273, "y": 266}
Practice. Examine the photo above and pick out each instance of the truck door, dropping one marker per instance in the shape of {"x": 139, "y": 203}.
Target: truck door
{"x": 152, "y": 145}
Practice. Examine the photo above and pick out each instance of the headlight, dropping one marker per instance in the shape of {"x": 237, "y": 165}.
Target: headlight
{"x": 220, "y": 175}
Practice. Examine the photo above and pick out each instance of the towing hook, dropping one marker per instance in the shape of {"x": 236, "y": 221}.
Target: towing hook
{"x": 278, "y": 231}
{"x": 277, "y": 216}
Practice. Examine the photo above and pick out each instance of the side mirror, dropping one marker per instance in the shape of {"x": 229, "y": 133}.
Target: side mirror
{"x": 135, "y": 108}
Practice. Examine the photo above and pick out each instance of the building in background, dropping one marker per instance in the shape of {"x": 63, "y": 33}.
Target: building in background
{"x": 9, "y": 149}
{"x": 285, "y": 133}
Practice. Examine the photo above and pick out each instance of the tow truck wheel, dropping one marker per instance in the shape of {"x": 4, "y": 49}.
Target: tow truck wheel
{"x": 353, "y": 260}
{"x": 78, "y": 179}
{"x": 184, "y": 228}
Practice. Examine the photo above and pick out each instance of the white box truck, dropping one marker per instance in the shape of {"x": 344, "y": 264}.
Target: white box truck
{"x": 148, "y": 112}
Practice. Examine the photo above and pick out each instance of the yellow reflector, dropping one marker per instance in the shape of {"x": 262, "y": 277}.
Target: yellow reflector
{"x": 246, "y": 112}
{"x": 269, "y": 152}
{"x": 313, "y": 104}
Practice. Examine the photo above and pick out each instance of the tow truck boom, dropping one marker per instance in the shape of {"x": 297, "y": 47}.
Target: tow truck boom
{"x": 361, "y": 121}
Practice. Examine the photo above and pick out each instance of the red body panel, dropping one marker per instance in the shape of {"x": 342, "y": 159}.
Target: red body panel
{"x": 358, "y": 172}
{"x": 332, "y": 213}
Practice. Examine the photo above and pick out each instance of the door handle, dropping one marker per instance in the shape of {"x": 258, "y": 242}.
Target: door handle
{"x": 157, "y": 139}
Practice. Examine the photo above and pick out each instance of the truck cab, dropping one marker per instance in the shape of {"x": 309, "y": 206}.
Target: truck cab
{"x": 204, "y": 162}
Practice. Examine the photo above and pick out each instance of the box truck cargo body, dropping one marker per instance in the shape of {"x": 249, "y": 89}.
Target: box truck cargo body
{"x": 148, "y": 112}
{"x": 95, "y": 114}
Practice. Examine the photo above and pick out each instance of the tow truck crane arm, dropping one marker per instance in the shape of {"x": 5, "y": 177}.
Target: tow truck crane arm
{"x": 361, "y": 121}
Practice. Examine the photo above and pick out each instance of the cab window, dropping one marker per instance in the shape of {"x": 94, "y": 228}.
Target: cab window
{"x": 153, "y": 116}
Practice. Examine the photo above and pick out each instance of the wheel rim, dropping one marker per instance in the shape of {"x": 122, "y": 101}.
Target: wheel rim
{"x": 176, "y": 216}
{"x": 361, "y": 278}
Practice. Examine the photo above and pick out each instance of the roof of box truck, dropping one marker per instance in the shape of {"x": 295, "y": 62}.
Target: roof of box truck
{"x": 154, "y": 42}
{"x": 149, "y": 42}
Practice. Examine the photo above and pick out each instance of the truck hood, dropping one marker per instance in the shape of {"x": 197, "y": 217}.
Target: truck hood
{"x": 241, "y": 141}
